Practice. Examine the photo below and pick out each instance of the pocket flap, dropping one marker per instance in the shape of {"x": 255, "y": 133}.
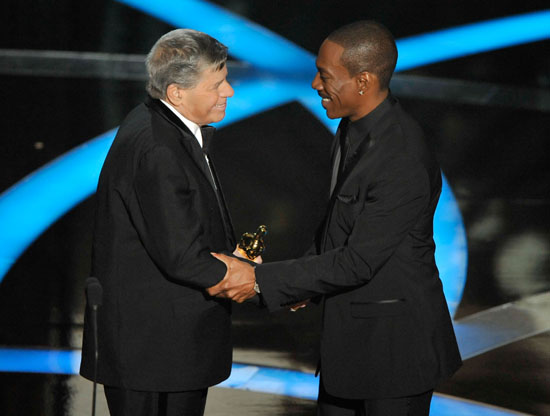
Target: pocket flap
{"x": 349, "y": 193}
{"x": 390, "y": 307}
{"x": 347, "y": 199}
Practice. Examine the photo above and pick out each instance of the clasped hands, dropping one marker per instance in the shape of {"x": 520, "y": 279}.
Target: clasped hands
{"x": 238, "y": 282}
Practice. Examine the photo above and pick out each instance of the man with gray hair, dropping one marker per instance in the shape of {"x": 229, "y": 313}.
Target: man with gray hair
{"x": 160, "y": 212}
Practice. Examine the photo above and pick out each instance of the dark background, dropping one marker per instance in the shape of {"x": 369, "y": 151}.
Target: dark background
{"x": 274, "y": 168}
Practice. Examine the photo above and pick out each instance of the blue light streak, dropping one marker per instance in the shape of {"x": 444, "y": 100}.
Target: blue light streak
{"x": 30, "y": 206}
{"x": 259, "y": 94}
{"x": 473, "y": 38}
{"x": 23, "y": 226}
{"x": 44, "y": 361}
{"x": 246, "y": 40}
{"x": 63, "y": 183}
{"x": 54, "y": 194}
{"x": 451, "y": 253}
{"x": 252, "y": 43}
{"x": 247, "y": 377}
{"x": 35, "y": 202}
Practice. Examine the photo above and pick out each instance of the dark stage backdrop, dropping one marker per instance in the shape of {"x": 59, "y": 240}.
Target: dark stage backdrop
{"x": 275, "y": 169}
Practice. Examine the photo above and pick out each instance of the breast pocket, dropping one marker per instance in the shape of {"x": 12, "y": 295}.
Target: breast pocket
{"x": 375, "y": 309}
{"x": 347, "y": 198}
{"x": 348, "y": 206}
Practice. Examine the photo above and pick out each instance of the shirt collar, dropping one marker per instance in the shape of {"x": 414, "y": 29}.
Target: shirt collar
{"x": 359, "y": 129}
{"x": 194, "y": 127}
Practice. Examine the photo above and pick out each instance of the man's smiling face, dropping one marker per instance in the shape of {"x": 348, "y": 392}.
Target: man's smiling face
{"x": 338, "y": 89}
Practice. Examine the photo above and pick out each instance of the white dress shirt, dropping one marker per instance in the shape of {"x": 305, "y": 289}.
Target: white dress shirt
{"x": 196, "y": 130}
{"x": 194, "y": 127}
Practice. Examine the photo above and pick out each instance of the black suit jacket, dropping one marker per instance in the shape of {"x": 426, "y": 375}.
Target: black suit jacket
{"x": 157, "y": 220}
{"x": 386, "y": 326}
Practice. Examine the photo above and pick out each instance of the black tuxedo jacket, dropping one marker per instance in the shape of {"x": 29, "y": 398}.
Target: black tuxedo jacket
{"x": 158, "y": 218}
{"x": 386, "y": 326}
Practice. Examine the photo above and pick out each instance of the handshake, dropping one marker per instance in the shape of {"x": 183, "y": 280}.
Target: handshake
{"x": 239, "y": 283}
{"x": 240, "y": 280}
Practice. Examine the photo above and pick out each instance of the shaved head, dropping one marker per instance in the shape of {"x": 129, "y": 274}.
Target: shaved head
{"x": 368, "y": 46}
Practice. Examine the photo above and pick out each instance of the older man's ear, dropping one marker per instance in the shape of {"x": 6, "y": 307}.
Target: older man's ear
{"x": 174, "y": 94}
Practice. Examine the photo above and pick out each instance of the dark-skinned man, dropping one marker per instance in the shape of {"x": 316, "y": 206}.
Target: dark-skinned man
{"x": 387, "y": 338}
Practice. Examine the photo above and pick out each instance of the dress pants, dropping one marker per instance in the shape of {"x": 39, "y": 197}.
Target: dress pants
{"x": 418, "y": 405}
{"x": 123, "y": 402}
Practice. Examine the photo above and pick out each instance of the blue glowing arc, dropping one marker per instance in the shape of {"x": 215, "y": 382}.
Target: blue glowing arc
{"x": 30, "y": 206}
{"x": 473, "y": 38}
{"x": 247, "y": 377}
{"x": 246, "y": 40}
{"x": 33, "y": 204}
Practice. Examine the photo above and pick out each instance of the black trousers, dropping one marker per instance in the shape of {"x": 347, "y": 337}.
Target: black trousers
{"x": 123, "y": 402}
{"x": 418, "y": 405}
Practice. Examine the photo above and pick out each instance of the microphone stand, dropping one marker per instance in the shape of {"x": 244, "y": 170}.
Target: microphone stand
{"x": 94, "y": 296}
{"x": 96, "y": 355}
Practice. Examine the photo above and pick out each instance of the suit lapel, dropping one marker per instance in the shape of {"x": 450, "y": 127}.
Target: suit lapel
{"x": 353, "y": 156}
{"x": 188, "y": 139}
{"x": 207, "y": 135}
{"x": 338, "y": 156}
{"x": 381, "y": 119}
{"x": 357, "y": 151}
{"x": 193, "y": 148}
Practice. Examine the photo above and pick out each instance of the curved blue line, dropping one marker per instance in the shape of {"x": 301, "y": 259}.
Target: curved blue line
{"x": 451, "y": 254}
{"x": 262, "y": 48}
{"x": 50, "y": 191}
{"x": 242, "y": 36}
{"x": 53, "y": 192}
{"x": 243, "y": 376}
{"x": 259, "y": 94}
{"x": 34, "y": 203}
{"x": 30, "y": 206}
{"x": 473, "y": 38}
{"x": 45, "y": 361}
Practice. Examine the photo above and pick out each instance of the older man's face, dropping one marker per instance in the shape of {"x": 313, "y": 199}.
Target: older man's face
{"x": 206, "y": 102}
{"x": 337, "y": 88}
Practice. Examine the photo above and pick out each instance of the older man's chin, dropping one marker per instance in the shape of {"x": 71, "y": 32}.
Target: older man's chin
{"x": 217, "y": 115}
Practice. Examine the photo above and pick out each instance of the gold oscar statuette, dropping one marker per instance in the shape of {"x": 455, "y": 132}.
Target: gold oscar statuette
{"x": 252, "y": 245}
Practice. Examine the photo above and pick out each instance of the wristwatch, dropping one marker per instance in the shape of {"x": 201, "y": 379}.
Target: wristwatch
{"x": 256, "y": 287}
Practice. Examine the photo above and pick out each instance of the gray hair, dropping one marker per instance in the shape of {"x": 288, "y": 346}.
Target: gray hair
{"x": 180, "y": 57}
{"x": 368, "y": 46}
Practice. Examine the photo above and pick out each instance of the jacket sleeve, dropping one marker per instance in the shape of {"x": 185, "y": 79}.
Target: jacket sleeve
{"x": 393, "y": 203}
{"x": 168, "y": 222}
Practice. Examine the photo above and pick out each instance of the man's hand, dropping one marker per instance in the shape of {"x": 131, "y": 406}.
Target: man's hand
{"x": 238, "y": 282}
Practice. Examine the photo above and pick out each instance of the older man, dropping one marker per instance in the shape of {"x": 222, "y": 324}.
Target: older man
{"x": 160, "y": 212}
{"x": 387, "y": 336}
